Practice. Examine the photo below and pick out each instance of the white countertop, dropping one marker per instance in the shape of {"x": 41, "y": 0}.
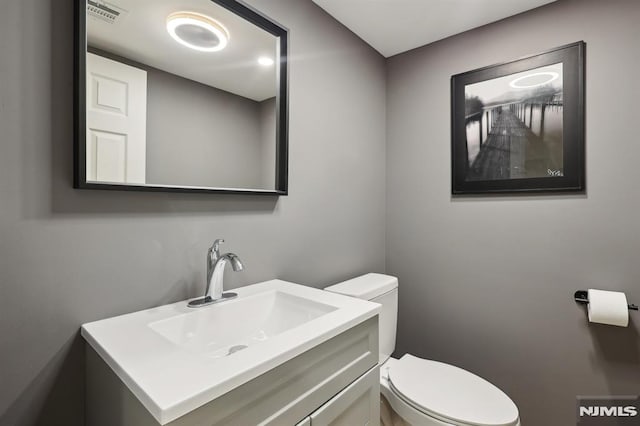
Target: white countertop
{"x": 171, "y": 381}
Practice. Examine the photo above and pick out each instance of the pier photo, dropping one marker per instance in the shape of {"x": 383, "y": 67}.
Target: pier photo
{"x": 514, "y": 126}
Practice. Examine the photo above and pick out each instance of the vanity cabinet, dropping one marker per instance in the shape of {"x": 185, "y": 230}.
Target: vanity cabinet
{"x": 334, "y": 383}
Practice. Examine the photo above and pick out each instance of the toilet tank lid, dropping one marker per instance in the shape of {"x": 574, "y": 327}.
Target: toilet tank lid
{"x": 367, "y": 287}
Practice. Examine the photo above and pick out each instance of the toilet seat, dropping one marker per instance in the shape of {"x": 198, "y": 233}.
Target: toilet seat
{"x": 450, "y": 394}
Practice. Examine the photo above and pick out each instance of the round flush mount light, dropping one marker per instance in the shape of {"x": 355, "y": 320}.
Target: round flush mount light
{"x": 265, "y": 61}
{"x": 197, "y": 31}
{"x": 535, "y": 79}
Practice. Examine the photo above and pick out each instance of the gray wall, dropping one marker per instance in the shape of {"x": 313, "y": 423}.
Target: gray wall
{"x": 71, "y": 256}
{"x": 198, "y": 135}
{"x": 487, "y": 283}
{"x": 267, "y": 136}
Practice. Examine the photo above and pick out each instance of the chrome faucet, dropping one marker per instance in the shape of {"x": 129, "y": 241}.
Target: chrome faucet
{"x": 215, "y": 276}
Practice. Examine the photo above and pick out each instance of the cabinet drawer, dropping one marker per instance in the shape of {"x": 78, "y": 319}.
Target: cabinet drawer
{"x": 356, "y": 405}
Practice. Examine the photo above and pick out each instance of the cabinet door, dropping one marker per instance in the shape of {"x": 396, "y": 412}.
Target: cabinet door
{"x": 356, "y": 405}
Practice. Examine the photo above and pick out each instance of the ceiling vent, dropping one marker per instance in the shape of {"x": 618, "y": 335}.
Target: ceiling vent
{"x": 104, "y": 11}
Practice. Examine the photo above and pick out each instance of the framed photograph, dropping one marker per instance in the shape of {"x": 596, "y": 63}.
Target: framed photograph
{"x": 519, "y": 126}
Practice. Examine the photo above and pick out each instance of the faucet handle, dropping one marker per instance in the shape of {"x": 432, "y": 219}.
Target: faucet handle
{"x": 212, "y": 255}
{"x": 216, "y": 246}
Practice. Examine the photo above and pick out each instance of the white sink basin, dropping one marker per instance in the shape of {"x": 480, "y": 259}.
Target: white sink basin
{"x": 254, "y": 319}
{"x": 175, "y": 359}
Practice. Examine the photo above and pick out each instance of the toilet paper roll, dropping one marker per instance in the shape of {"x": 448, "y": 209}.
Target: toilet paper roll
{"x": 608, "y": 307}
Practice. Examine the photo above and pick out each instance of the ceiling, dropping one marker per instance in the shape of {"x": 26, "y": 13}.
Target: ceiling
{"x": 395, "y": 26}
{"x": 140, "y": 34}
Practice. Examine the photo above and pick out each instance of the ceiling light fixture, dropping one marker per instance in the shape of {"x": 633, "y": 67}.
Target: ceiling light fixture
{"x": 551, "y": 76}
{"x": 265, "y": 61}
{"x": 197, "y": 31}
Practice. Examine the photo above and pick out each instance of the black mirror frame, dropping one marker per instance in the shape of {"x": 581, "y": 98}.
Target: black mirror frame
{"x": 282, "y": 107}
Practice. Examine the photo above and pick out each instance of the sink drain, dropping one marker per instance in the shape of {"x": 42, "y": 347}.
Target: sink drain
{"x": 236, "y": 348}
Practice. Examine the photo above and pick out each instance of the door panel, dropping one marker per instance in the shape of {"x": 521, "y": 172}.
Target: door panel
{"x": 110, "y": 95}
{"x": 111, "y": 156}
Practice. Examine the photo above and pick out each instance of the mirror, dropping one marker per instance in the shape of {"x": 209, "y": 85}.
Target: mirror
{"x": 180, "y": 95}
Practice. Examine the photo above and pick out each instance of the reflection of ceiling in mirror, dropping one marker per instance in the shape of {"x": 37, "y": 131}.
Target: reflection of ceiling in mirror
{"x": 140, "y": 34}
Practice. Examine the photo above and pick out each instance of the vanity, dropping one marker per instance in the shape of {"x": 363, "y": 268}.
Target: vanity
{"x": 279, "y": 353}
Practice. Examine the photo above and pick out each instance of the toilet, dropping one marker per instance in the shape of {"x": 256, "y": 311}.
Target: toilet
{"x": 418, "y": 391}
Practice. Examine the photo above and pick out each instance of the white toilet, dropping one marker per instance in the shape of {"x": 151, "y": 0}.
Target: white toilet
{"x": 423, "y": 392}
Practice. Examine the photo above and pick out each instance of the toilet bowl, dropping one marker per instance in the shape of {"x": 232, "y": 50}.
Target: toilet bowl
{"x": 421, "y": 392}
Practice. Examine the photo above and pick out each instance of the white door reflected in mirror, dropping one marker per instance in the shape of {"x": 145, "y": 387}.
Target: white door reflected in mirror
{"x": 116, "y": 121}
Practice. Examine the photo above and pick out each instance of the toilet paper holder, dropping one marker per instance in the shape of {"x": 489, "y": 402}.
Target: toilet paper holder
{"x": 581, "y": 296}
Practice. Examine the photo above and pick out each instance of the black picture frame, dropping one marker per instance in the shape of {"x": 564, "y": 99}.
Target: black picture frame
{"x": 517, "y": 145}
{"x": 282, "y": 108}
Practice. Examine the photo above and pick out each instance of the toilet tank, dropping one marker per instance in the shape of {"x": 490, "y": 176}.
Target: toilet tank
{"x": 378, "y": 288}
